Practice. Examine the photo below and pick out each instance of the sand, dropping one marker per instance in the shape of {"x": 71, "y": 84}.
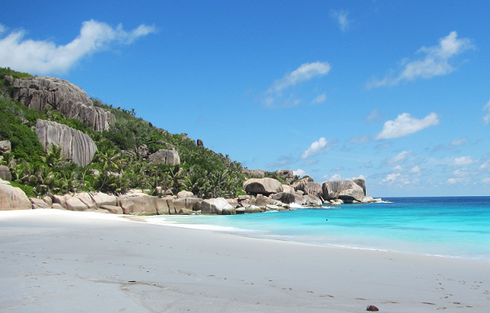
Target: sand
{"x": 62, "y": 261}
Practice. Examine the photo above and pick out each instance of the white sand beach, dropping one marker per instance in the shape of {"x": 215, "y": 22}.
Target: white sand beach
{"x": 63, "y": 261}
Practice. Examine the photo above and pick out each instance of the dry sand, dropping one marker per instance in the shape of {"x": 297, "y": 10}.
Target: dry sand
{"x": 61, "y": 261}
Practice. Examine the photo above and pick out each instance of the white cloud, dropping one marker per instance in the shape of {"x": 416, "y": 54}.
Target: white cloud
{"x": 404, "y": 125}
{"x": 320, "y": 98}
{"x": 435, "y": 62}
{"x": 486, "y": 180}
{"x": 359, "y": 140}
{"x": 303, "y": 73}
{"x": 2, "y": 28}
{"x": 452, "y": 181}
{"x": 299, "y": 172}
{"x": 334, "y": 177}
{"x": 458, "y": 142}
{"x": 464, "y": 160}
{"x": 373, "y": 116}
{"x": 461, "y": 173}
{"x": 340, "y": 17}
{"x": 273, "y": 97}
{"x": 43, "y": 57}
{"x": 398, "y": 159}
{"x": 390, "y": 178}
{"x": 486, "y": 108}
{"x": 322, "y": 145}
{"x": 398, "y": 168}
{"x": 415, "y": 170}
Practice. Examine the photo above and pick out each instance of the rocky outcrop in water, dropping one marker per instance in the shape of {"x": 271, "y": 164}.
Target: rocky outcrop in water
{"x": 75, "y": 145}
{"x": 45, "y": 93}
{"x": 331, "y": 189}
{"x": 351, "y": 192}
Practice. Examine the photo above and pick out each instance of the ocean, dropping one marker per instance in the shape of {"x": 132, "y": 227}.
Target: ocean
{"x": 452, "y": 227}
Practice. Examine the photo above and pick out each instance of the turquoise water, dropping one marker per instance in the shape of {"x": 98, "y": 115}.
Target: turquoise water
{"x": 456, "y": 227}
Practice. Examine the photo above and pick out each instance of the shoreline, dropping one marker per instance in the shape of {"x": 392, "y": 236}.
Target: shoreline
{"x": 80, "y": 261}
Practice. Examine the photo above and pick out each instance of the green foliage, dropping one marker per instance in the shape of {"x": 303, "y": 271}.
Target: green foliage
{"x": 7, "y": 71}
{"x": 275, "y": 176}
{"x": 26, "y": 189}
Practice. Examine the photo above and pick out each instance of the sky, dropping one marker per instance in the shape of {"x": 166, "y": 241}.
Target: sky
{"x": 396, "y": 92}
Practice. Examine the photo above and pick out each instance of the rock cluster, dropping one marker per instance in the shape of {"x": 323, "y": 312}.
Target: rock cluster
{"x": 44, "y": 93}
{"x": 75, "y": 145}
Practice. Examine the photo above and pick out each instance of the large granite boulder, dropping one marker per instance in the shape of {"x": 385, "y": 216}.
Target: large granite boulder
{"x": 217, "y": 206}
{"x": 286, "y": 197}
{"x": 5, "y": 173}
{"x": 361, "y": 183}
{"x": 39, "y": 203}
{"x": 264, "y": 186}
{"x": 287, "y": 188}
{"x": 312, "y": 200}
{"x": 186, "y": 205}
{"x": 75, "y": 204}
{"x": 138, "y": 203}
{"x": 331, "y": 189}
{"x": 75, "y": 145}
{"x": 162, "y": 156}
{"x": 102, "y": 199}
{"x": 313, "y": 189}
{"x": 42, "y": 93}
{"x": 301, "y": 184}
{"x": 13, "y": 198}
{"x": 5, "y": 146}
{"x": 351, "y": 192}
{"x": 263, "y": 201}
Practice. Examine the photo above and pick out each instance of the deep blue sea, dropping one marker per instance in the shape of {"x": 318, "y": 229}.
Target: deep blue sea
{"x": 454, "y": 227}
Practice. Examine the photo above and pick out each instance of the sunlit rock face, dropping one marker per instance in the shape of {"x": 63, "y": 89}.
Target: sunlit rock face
{"x": 44, "y": 93}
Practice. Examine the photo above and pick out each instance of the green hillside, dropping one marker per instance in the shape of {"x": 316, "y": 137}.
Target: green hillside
{"x": 117, "y": 167}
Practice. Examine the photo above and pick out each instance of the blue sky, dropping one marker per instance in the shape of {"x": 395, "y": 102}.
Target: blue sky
{"x": 395, "y": 91}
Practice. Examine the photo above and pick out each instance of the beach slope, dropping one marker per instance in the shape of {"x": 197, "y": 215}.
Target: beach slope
{"x": 61, "y": 261}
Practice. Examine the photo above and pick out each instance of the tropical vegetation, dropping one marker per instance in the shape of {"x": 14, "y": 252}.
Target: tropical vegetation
{"x": 118, "y": 165}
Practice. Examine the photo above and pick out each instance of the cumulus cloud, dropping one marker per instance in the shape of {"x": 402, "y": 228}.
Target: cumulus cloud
{"x": 299, "y": 172}
{"x": 404, "y": 125}
{"x": 43, "y": 57}
{"x": 320, "y": 98}
{"x": 390, "y": 178}
{"x": 305, "y": 72}
{"x": 486, "y": 180}
{"x": 464, "y": 160}
{"x": 340, "y": 16}
{"x": 434, "y": 63}
{"x": 322, "y": 145}
{"x": 486, "y": 108}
